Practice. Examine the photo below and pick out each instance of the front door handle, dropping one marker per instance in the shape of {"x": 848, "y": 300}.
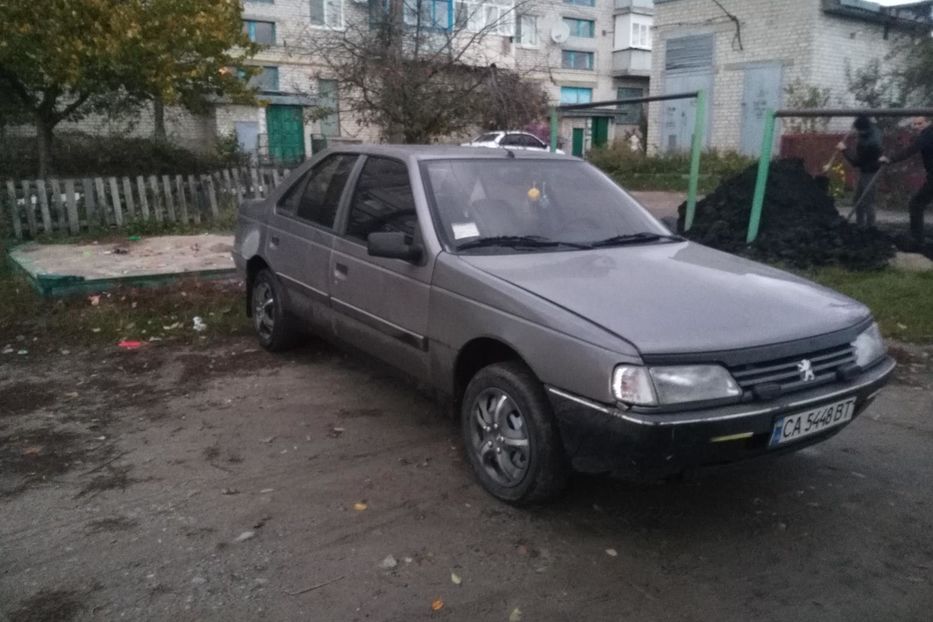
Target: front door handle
{"x": 274, "y": 241}
{"x": 340, "y": 271}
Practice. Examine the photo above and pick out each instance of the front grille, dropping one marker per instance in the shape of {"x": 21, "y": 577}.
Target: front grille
{"x": 785, "y": 372}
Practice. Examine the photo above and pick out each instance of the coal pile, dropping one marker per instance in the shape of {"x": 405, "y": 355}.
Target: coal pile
{"x": 800, "y": 226}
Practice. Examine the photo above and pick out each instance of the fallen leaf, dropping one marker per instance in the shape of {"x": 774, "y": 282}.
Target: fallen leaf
{"x": 516, "y": 615}
{"x": 388, "y": 563}
{"x": 359, "y": 506}
{"x": 612, "y": 553}
{"x": 246, "y": 535}
{"x": 437, "y": 605}
{"x": 455, "y": 578}
{"x": 94, "y": 300}
{"x": 32, "y": 451}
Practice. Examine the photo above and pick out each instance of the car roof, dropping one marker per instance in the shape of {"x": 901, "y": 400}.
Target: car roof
{"x": 444, "y": 152}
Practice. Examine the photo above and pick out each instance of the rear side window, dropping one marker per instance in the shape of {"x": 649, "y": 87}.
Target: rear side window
{"x": 383, "y": 200}
{"x": 317, "y": 195}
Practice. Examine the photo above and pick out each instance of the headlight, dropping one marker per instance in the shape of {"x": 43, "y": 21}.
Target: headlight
{"x": 869, "y": 347}
{"x": 649, "y": 386}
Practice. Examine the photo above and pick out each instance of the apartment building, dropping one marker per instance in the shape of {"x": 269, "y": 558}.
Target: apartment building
{"x": 580, "y": 51}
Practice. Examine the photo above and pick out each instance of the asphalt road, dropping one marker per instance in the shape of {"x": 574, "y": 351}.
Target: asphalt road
{"x": 224, "y": 483}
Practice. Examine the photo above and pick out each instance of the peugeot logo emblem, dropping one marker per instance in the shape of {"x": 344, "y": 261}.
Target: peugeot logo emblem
{"x": 805, "y": 369}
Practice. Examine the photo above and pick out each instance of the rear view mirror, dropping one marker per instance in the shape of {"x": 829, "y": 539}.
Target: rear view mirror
{"x": 394, "y": 245}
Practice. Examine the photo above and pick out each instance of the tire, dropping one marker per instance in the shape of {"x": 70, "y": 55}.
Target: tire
{"x": 274, "y": 327}
{"x": 510, "y": 435}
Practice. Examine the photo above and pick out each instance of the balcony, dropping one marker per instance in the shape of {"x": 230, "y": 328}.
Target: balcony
{"x": 631, "y": 62}
{"x": 642, "y": 7}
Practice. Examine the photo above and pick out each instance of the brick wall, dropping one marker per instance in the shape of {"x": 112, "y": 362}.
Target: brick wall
{"x": 809, "y": 44}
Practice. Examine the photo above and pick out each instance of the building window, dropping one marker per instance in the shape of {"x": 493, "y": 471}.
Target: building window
{"x": 433, "y": 13}
{"x": 259, "y": 32}
{"x": 488, "y": 17}
{"x": 327, "y": 13}
{"x": 641, "y": 35}
{"x": 575, "y": 59}
{"x": 327, "y": 98}
{"x": 630, "y": 114}
{"x": 581, "y": 2}
{"x": 583, "y": 28}
{"x": 266, "y": 81}
{"x": 576, "y": 95}
{"x": 526, "y": 30}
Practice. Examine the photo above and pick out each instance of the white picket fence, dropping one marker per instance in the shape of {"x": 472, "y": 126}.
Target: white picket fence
{"x": 69, "y": 206}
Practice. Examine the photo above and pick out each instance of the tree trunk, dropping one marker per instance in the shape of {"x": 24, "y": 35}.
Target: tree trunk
{"x": 158, "y": 119}
{"x": 44, "y": 128}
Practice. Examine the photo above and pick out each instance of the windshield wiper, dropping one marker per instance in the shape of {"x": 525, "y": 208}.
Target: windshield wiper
{"x": 516, "y": 241}
{"x": 642, "y": 237}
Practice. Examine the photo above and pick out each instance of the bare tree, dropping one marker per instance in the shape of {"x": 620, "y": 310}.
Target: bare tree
{"x": 423, "y": 69}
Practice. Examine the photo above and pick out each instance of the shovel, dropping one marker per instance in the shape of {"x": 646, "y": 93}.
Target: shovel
{"x": 868, "y": 186}
{"x": 823, "y": 178}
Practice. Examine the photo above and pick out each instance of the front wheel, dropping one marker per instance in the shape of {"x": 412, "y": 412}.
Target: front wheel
{"x": 510, "y": 435}
{"x": 270, "y": 319}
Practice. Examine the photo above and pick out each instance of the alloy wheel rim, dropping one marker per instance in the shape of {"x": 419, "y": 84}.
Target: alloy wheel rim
{"x": 499, "y": 437}
{"x": 264, "y": 310}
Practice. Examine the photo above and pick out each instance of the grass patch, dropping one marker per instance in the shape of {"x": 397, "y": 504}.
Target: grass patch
{"x": 33, "y": 323}
{"x": 902, "y": 302}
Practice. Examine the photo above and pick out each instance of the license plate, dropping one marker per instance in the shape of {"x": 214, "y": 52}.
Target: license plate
{"x": 794, "y": 427}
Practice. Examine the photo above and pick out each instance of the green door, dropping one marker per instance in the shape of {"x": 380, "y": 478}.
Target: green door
{"x": 601, "y": 131}
{"x": 285, "y": 126}
{"x": 577, "y": 148}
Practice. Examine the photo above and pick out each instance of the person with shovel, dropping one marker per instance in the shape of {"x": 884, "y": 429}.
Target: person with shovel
{"x": 866, "y": 158}
{"x": 922, "y": 144}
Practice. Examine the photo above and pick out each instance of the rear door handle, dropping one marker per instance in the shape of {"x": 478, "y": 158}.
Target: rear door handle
{"x": 340, "y": 271}
{"x": 274, "y": 240}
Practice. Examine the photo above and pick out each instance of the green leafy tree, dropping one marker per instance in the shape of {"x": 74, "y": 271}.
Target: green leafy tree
{"x": 189, "y": 53}
{"x": 64, "y": 59}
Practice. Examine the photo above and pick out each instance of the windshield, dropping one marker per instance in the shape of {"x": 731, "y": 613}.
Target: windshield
{"x": 496, "y": 204}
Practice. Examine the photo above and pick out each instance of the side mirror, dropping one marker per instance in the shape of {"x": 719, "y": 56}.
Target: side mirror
{"x": 394, "y": 245}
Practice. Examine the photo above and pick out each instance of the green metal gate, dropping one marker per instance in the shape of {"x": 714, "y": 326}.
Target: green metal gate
{"x": 285, "y": 126}
{"x": 601, "y": 131}
{"x": 577, "y": 145}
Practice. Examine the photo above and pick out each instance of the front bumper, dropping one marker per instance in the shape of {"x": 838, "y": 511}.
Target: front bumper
{"x": 600, "y": 438}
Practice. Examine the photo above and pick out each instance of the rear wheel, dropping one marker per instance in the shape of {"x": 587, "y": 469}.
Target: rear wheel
{"x": 510, "y": 435}
{"x": 274, "y": 327}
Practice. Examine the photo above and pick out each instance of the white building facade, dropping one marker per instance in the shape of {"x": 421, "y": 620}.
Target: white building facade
{"x": 580, "y": 51}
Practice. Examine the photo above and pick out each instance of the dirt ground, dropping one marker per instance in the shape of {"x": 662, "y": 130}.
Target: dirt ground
{"x": 223, "y": 483}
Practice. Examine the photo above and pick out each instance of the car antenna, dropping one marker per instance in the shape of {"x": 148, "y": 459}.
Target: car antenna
{"x": 509, "y": 153}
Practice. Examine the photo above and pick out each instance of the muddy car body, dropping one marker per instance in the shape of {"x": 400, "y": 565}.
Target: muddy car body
{"x": 571, "y": 330}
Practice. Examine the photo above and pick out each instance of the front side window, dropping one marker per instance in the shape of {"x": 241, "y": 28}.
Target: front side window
{"x": 576, "y": 95}
{"x": 544, "y": 200}
{"x": 583, "y": 28}
{"x": 382, "y": 201}
{"x": 575, "y": 59}
{"x": 259, "y": 31}
{"x": 316, "y": 196}
{"x": 327, "y": 13}
{"x": 526, "y": 30}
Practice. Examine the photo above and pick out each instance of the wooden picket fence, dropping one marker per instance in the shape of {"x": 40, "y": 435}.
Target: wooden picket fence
{"x": 69, "y": 206}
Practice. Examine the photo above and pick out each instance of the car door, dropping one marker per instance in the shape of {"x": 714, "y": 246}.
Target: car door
{"x": 381, "y": 305}
{"x": 301, "y": 234}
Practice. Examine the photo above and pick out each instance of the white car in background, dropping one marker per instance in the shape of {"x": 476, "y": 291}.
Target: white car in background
{"x": 511, "y": 140}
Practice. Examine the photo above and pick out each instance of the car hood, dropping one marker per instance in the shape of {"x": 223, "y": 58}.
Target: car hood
{"x": 678, "y": 297}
